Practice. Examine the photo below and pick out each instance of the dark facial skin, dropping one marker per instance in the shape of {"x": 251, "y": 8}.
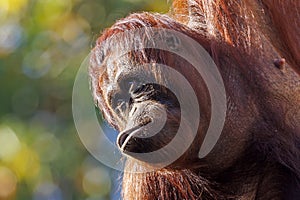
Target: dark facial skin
{"x": 144, "y": 106}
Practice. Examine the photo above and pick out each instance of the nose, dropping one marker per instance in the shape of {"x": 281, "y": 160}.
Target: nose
{"x": 123, "y": 136}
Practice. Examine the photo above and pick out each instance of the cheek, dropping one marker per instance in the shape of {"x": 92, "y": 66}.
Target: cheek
{"x": 231, "y": 145}
{"x": 113, "y": 118}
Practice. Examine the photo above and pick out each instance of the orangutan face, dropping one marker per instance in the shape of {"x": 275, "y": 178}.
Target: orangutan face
{"x": 146, "y": 113}
{"x": 140, "y": 108}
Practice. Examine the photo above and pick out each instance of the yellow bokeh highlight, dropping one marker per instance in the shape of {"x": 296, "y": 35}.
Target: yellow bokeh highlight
{"x": 12, "y": 6}
{"x": 50, "y": 12}
{"x": 70, "y": 27}
{"x": 25, "y": 164}
{"x": 20, "y": 158}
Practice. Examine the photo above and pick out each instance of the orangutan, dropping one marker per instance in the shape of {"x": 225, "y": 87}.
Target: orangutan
{"x": 255, "y": 45}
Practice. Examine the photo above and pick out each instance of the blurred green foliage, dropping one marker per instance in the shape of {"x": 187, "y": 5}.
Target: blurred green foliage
{"x": 42, "y": 43}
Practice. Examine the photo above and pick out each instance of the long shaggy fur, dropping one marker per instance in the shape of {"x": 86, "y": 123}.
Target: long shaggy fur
{"x": 258, "y": 156}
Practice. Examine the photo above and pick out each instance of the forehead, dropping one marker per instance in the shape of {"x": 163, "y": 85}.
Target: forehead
{"x": 127, "y": 68}
{"x": 118, "y": 66}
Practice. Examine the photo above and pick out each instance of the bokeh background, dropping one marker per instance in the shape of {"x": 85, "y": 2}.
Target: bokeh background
{"x": 42, "y": 44}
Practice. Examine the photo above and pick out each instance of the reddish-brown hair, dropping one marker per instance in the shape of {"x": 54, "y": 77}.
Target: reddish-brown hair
{"x": 255, "y": 46}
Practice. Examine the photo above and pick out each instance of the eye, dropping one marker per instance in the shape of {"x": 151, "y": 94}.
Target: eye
{"x": 121, "y": 102}
{"x": 129, "y": 84}
{"x": 133, "y": 85}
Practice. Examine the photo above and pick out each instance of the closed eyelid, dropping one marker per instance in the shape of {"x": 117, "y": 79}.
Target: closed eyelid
{"x": 117, "y": 97}
{"x": 126, "y": 83}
